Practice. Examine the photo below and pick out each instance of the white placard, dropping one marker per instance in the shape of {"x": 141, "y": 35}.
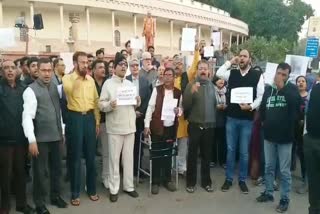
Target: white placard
{"x": 188, "y": 39}
{"x": 299, "y": 65}
{"x": 67, "y": 59}
{"x": 242, "y": 95}
{"x": 208, "y": 51}
{"x": 168, "y": 109}
{"x": 270, "y": 72}
{"x": 216, "y": 38}
{"x": 7, "y": 38}
{"x": 314, "y": 26}
{"x": 126, "y": 96}
{"x": 136, "y": 44}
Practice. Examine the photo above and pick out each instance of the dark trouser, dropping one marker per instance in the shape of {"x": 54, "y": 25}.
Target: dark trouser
{"x": 299, "y": 137}
{"x": 219, "y": 149}
{"x": 12, "y": 162}
{"x": 199, "y": 137}
{"x": 312, "y": 156}
{"x": 161, "y": 167}
{"x": 49, "y": 153}
{"x": 140, "y": 128}
{"x": 82, "y": 140}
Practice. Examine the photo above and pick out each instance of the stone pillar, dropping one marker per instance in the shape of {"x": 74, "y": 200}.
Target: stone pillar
{"x": 74, "y": 18}
{"x": 230, "y": 40}
{"x": 199, "y": 33}
{"x": 31, "y": 4}
{"x": 113, "y": 28}
{"x": 88, "y": 25}
{"x": 61, "y": 23}
{"x": 1, "y": 14}
{"x": 171, "y": 34}
{"x": 221, "y": 39}
{"x": 237, "y": 39}
{"x": 135, "y": 25}
{"x": 187, "y": 25}
{"x": 242, "y": 39}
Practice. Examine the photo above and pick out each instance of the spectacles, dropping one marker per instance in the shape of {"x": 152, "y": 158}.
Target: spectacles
{"x": 134, "y": 65}
{"x": 123, "y": 64}
{"x": 168, "y": 75}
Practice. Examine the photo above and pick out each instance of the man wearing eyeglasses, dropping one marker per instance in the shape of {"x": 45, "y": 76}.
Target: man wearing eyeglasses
{"x": 144, "y": 91}
{"x": 120, "y": 128}
{"x": 147, "y": 69}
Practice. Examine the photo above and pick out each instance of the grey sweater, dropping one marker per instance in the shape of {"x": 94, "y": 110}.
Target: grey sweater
{"x": 201, "y": 105}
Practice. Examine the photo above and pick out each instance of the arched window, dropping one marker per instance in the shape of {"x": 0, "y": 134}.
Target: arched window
{"x": 117, "y": 38}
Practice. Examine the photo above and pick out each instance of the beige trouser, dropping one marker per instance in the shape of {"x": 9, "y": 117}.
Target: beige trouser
{"x": 105, "y": 155}
{"x": 121, "y": 144}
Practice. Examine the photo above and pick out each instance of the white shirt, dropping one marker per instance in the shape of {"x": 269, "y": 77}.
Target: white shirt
{"x": 30, "y": 106}
{"x": 135, "y": 82}
{"x": 224, "y": 72}
{"x": 168, "y": 94}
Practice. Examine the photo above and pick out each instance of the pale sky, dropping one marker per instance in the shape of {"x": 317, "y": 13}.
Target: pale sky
{"x": 316, "y": 6}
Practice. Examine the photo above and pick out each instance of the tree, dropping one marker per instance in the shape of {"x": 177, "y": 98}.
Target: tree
{"x": 268, "y": 18}
{"x": 264, "y": 50}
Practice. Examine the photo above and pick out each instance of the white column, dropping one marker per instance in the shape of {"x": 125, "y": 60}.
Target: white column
{"x": 88, "y": 25}
{"x": 31, "y": 13}
{"x": 61, "y": 23}
{"x": 221, "y": 39}
{"x": 1, "y": 14}
{"x": 237, "y": 39}
{"x": 112, "y": 20}
{"x": 230, "y": 40}
{"x": 187, "y": 25}
{"x": 135, "y": 24}
{"x": 171, "y": 35}
{"x": 199, "y": 33}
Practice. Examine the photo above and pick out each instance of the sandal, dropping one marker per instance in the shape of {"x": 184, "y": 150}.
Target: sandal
{"x": 75, "y": 202}
{"x": 94, "y": 197}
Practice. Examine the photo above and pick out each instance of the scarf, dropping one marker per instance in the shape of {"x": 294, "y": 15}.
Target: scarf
{"x": 221, "y": 95}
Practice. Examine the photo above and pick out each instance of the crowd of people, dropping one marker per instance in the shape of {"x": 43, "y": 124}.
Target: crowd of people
{"x": 44, "y": 108}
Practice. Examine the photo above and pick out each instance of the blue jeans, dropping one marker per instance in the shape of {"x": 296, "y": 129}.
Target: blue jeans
{"x": 238, "y": 131}
{"x": 281, "y": 152}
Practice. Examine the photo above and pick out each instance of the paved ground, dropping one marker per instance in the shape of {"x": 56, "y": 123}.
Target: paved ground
{"x": 182, "y": 202}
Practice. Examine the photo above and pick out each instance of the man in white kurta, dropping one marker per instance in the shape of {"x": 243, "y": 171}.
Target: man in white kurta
{"x": 121, "y": 127}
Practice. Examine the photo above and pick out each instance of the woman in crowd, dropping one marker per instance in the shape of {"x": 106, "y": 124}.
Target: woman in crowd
{"x": 219, "y": 150}
{"x": 301, "y": 82}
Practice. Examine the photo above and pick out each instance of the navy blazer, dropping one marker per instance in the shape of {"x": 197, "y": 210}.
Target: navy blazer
{"x": 144, "y": 93}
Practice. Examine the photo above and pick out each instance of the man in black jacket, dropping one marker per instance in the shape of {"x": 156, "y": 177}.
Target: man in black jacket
{"x": 13, "y": 144}
{"x": 279, "y": 110}
{"x": 312, "y": 148}
{"x": 144, "y": 91}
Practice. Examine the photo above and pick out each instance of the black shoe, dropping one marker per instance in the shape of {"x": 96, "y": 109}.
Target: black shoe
{"x": 26, "y": 209}
{"x": 133, "y": 194}
{"x": 243, "y": 187}
{"x": 265, "y": 197}
{"x": 170, "y": 186}
{"x": 59, "y": 202}
{"x": 283, "y": 206}
{"x": 155, "y": 189}
{"x": 226, "y": 186}
{"x": 42, "y": 210}
{"x": 113, "y": 198}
